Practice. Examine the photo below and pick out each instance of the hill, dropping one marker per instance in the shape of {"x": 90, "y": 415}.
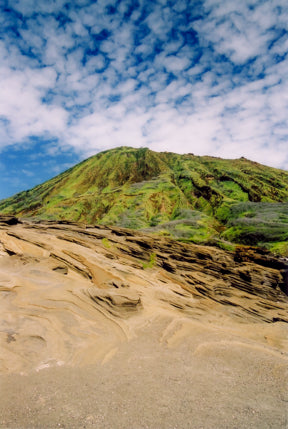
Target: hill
{"x": 200, "y": 199}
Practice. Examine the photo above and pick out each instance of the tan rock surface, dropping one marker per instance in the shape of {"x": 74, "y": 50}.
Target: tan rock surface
{"x": 101, "y": 327}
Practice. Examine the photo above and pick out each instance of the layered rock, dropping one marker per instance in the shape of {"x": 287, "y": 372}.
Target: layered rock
{"x": 72, "y": 294}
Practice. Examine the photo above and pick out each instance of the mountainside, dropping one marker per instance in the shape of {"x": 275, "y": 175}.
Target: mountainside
{"x": 191, "y": 198}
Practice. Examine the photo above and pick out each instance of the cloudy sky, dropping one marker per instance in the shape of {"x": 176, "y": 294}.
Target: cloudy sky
{"x": 77, "y": 77}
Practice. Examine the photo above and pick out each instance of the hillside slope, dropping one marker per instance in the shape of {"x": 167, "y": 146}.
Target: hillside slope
{"x": 199, "y": 199}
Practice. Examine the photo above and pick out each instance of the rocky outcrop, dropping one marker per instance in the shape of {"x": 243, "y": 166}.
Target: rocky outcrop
{"x": 70, "y": 294}
{"x": 8, "y": 220}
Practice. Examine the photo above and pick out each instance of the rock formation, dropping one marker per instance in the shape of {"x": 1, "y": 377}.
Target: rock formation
{"x": 72, "y": 294}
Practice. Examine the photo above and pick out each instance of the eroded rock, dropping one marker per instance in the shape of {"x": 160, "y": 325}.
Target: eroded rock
{"x": 74, "y": 293}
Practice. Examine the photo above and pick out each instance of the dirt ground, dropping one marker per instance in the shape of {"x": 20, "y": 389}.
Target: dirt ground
{"x": 210, "y": 380}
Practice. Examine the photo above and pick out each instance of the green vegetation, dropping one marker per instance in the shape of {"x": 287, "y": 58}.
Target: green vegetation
{"x": 106, "y": 243}
{"x": 263, "y": 223}
{"x": 190, "y": 198}
{"x": 151, "y": 263}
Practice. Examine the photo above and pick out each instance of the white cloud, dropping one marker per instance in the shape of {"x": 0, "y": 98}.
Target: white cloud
{"x": 21, "y": 104}
{"x": 175, "y": 64}
{"x": 95, "y": 63}
{"x": 159, "y": 22}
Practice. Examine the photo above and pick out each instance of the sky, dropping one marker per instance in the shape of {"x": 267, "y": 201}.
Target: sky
{"x": 208, "y": 77}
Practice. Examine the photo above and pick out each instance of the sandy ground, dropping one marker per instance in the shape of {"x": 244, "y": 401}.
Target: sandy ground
{"x": 210, "y": 380}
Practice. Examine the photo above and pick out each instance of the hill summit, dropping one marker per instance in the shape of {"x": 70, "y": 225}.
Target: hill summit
{"x": 191, "y": 198}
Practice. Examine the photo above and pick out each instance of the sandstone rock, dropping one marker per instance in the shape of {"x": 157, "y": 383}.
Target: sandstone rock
{"x": 8, "y": 220}
{"x": 75, "y": 293}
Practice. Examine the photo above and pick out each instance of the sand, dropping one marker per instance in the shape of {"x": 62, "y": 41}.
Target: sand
{"x": 209, "y": 381}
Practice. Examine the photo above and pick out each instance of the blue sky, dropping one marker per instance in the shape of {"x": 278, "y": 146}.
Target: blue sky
{"x": 202, "y": 76}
